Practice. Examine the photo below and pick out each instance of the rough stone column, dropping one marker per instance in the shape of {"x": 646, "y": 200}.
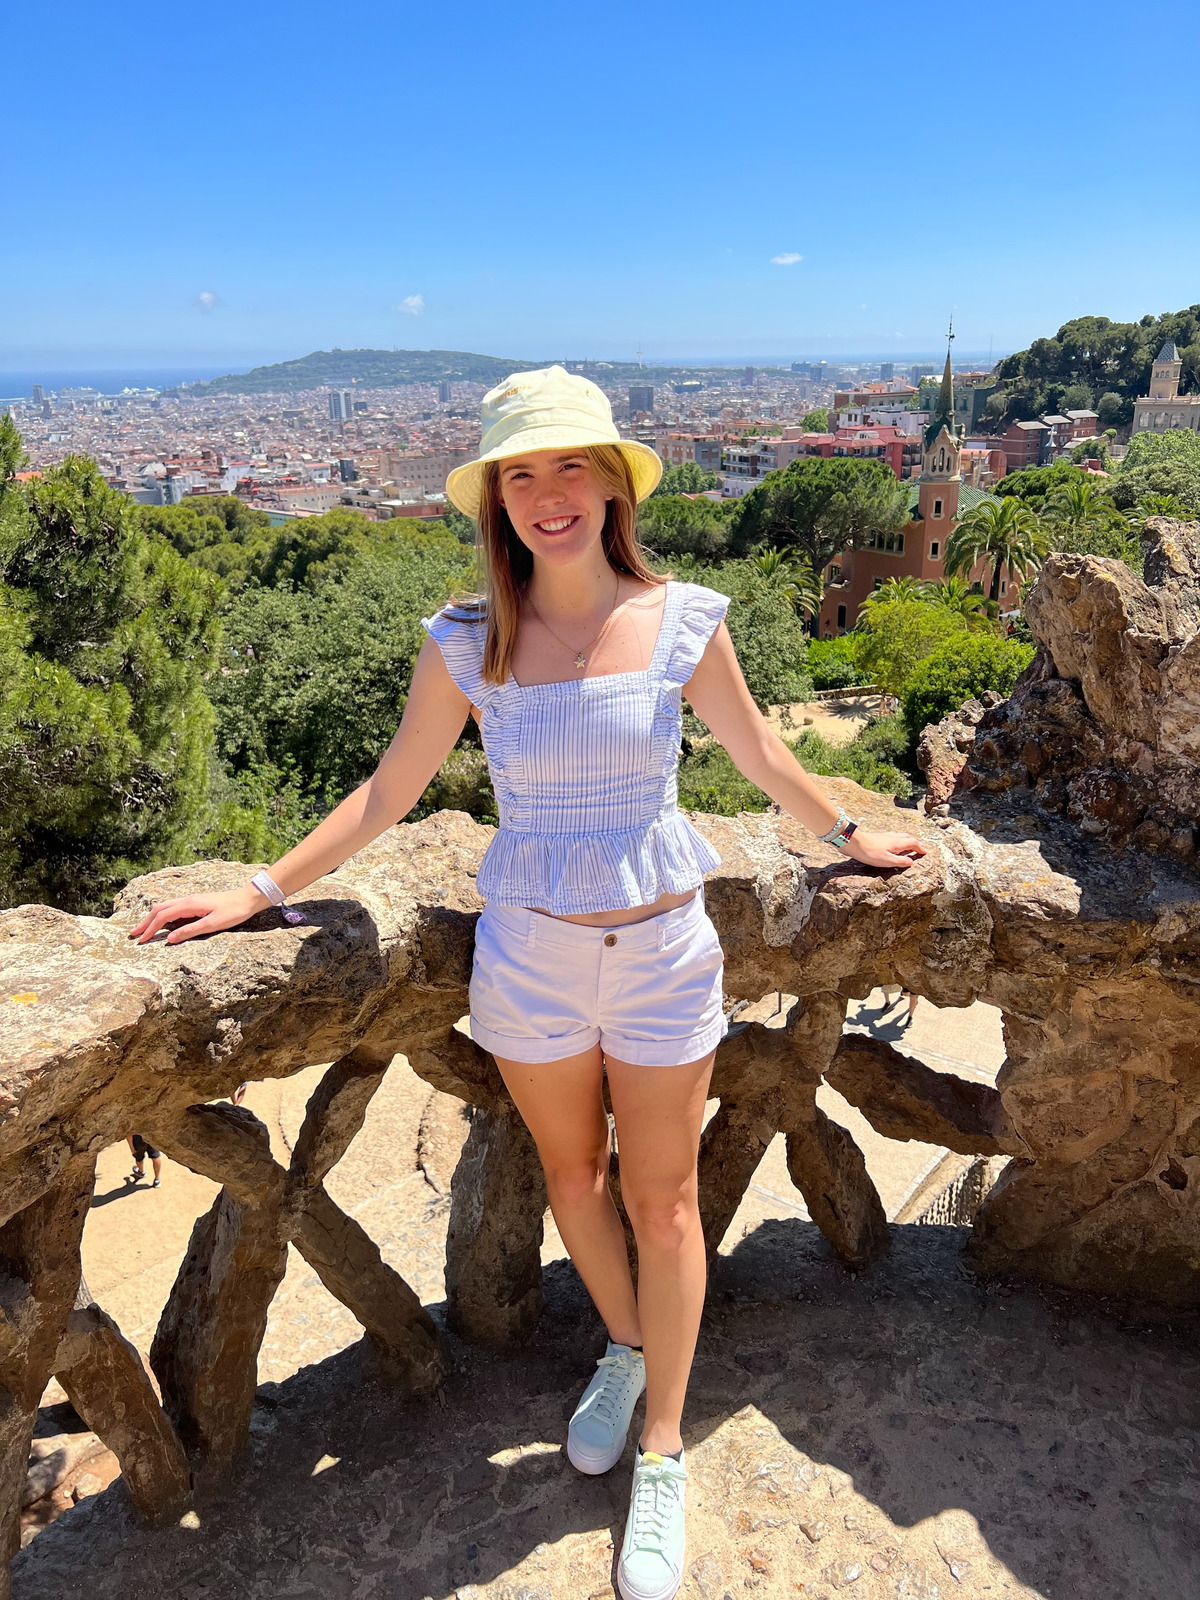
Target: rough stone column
{"x": 347, "y": 1261}
{"x": 493, "y": 1259}
{"x": 39, "y": 1278}
{"x": 731, "y": 1147}
{"x": 205, "y": 1350}
{"x": 107, "y": 1384}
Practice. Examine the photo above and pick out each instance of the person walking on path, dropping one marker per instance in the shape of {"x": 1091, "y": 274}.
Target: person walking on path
{"x": 594, "y": 955}
{"x": 141, "y": 1150}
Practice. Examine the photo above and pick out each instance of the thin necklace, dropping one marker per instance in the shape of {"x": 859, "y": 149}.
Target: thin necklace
{"x": 580, "y": 655}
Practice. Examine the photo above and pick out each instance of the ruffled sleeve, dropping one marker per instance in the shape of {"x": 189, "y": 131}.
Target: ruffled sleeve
{"x": 461, "y": 642}
{"x": 701, "y": 612}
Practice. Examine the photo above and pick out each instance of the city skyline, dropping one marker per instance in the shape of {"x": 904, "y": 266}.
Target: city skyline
{"x": 590, "y": 187}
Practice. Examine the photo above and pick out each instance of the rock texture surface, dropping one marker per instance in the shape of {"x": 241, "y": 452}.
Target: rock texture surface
{"x": 911, "y": 1433}
{"x": 1091, "y": 954}
{"x": 1103, "y": 726}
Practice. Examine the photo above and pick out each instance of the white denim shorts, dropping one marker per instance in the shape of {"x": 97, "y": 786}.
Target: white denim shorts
{"x": 648, "y": 992}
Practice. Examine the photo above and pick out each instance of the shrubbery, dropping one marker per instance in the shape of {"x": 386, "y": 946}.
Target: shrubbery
{"x": 320, "y": 679}
{"x": 959, "y": 669}
{"x": 834, "y": 663}
{"x": 768, "y": 634}
{"x": 709, "y": 781}
{"x": 106, "y": 635}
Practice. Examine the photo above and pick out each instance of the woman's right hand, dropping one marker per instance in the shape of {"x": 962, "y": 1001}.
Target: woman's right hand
{"x": 202, "y": 913}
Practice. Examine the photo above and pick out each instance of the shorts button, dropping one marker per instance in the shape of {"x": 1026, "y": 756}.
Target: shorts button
{"x": 610, "y": 939}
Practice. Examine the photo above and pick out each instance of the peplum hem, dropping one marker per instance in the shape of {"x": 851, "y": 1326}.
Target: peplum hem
{"x": 574, "y": 874}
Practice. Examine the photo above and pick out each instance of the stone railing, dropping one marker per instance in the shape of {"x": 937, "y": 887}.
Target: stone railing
{"x": 1071, "y": 904}
{"x": 1092, "y": 960}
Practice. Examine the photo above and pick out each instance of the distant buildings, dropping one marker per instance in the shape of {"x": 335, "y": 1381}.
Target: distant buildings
{"x": 918, "y": 549}
{"x": 641, "y": 399}
{"x": 1164, "y": 409}
{"x": 39, "y": 395}
{"x": 445, "y": 394}
{"x": 341, "y": 405}
{"x": 887, "y": 371}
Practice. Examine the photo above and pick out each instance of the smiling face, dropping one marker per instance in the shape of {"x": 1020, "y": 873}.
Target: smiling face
{"x": 555, "y": 503}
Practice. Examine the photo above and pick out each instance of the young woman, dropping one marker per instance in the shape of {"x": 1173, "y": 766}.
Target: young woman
{"x": 594, "y": 956}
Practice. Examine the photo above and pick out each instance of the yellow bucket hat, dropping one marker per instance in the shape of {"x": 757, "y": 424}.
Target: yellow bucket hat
{"x": 550, "y": 409}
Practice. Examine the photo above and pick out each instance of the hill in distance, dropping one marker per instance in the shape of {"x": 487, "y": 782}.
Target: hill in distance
{"x": 386, "y": 369}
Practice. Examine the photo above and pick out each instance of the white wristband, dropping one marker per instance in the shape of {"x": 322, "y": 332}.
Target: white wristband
{"x": 265, "y": 884}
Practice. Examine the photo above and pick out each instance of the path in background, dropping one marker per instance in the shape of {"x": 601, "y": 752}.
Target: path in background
{"x": 835, "y": 720}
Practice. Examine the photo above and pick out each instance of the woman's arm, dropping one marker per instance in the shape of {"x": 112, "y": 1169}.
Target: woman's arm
{"x": 432, "y": 721}
{"x": 718, "y": 694}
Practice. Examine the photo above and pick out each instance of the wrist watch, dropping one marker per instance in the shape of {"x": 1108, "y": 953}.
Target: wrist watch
{"x": 840, "y": 834}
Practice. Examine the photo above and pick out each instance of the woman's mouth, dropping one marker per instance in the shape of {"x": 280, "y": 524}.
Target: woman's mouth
{"x": 556, "y": 524}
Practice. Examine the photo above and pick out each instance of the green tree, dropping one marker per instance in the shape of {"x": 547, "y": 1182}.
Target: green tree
{"x": 794, "y": 579}
{"x": 960, "y": 668}
{"x": 690, "y": 478}
{"x": 899, "y": 634}
{"x": 816, "y": 421}
{"x": 316, "y": 681}
{"x": 1006, "y": 533}
{"x": 106, "y": 635}
{"x": 903, "y": 588}
{"x": 820, "y": 506}
{"x": 1108, "y": 358}
{"x": 767, "y": 633}
{"x": 1077, "y": 397}
{"x": 1110, "y": 408}
{"x": 1080, "y": 517}
{"x": 833, "y": 663}
{"x": 462, "y": 527}
{"x": 12, "y": 454}
{"x": 672, "y": 525}
{"x": 956, "y": 594}
{"x": 1160, "y": 464}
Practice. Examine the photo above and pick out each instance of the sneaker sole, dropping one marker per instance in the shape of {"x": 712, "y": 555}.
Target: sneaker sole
{"x": 594, "y": 1465}
{"x": 645, "y": 1594}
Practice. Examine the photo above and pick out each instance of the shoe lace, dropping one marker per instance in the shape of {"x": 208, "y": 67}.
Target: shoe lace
{"x": 655, "y": 1501}
{"x": 611, "y": 1394}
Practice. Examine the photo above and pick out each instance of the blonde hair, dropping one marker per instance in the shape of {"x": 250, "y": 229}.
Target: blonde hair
{"x": 507, "y": 565}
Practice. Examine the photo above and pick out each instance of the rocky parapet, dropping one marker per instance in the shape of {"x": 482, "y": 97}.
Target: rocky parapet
{"x": 1093, "y": 959}
{"x": 1103, "y": 726}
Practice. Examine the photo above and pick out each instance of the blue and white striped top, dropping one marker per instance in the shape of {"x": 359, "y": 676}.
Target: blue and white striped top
{"x": 585, "y": 772}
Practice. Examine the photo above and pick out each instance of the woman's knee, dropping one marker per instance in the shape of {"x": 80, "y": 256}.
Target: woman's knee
{"x": 664, "y": 1217}
{"x": 577, "y": 1177}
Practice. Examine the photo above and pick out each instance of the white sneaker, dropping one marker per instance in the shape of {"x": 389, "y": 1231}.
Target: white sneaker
{"x": 651, "y": 1564}
{"x": 600, "y": 1425}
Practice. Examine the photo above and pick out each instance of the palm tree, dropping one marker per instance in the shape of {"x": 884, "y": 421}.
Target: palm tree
{"x": 903, "y": 588}
{"x": 1157, "y": 505}
{"x": 1004, "y": 532}
{"x": 794, "y": 579}
{"x": 956, "y": 594}
{"x": 1077, "y": 512}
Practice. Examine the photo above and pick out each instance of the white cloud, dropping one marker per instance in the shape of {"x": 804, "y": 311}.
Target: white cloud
{"x": 207, "y": 301}
{"x": 412, "y": 305}
{"x": 788, "y": 259}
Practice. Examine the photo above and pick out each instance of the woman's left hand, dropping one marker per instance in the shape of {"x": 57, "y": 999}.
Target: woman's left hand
{"x": 883, "y": 849}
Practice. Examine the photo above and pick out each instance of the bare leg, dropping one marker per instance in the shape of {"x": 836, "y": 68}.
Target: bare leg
{"x": 139, "y": 1166}
{"x": 157, "y": 1165}
{"x": 561, "y": 1104}
{"x": 659, "y": 1113}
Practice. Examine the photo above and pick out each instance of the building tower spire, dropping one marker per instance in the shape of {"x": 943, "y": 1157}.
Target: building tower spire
{"x": 943, "y": 412}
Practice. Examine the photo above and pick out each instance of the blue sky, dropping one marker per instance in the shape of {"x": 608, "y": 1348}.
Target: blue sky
{"x": 230, "y": 184}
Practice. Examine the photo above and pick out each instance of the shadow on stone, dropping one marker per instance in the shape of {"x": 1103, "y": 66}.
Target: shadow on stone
{"x": 1051, "y": 1438}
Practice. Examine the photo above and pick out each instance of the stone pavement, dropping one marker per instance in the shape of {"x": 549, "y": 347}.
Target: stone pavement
{"x": 909, "y": 1434}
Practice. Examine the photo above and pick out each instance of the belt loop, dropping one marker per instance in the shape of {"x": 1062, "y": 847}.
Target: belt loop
{"x": 531, "y": 935}
{"x": 664, "y": 932}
